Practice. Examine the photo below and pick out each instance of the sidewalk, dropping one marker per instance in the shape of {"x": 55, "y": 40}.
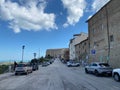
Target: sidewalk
{"x": 6, "y": 75}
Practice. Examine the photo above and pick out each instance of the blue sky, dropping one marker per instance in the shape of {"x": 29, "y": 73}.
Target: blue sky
{"x": 41, "y": 25}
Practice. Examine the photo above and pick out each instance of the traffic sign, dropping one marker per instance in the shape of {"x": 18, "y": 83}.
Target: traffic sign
{"x": 93, "y": 51}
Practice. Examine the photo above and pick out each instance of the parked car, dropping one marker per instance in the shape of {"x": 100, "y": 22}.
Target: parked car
{"x": 23, "y": 68}
{"x": 44, "y": 64}
{"x": 73, "y": 64}
{"x": 99, "y": 68}
{"x": 35, "y": 66}
{"x": 116, "y": 74}
{"x": 51, "y": 61}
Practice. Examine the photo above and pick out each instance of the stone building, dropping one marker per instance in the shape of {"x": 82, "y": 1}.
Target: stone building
{"x": 62, "y": 53}
{"x": 104, "y": 34}
{"x": 72, "y": 49}
{"x": 81, "y": 50}
{"x": 76, "y": 39}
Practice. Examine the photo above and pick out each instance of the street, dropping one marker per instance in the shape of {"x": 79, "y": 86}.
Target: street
{"x": 58, "y": 76}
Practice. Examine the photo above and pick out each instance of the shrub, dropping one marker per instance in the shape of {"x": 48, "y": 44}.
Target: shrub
{"x": 3, "y": 68}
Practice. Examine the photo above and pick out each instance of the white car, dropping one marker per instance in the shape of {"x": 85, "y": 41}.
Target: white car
{"x": 23, "y": 69}
{"x": 116, "y": 74}
{"x": 99, "y": 68}
{"x": 73, "y": 64}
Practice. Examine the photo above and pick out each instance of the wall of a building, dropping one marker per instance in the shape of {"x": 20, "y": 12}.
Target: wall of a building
{"x": 114, "y": 29}
{"x": 57, "y": 52}
{"x": 82, "y": 50}
{"x": 102, "y": 25}
{"x": 72, "y": 49}
{"x": 77, "y": 39}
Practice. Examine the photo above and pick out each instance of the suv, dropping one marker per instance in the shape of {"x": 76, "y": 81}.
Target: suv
{"x": 116, "y": 74}
{"x": 23, "y": 68}
{"x": 99, "y": 68}
{"x": 73, "y": 64}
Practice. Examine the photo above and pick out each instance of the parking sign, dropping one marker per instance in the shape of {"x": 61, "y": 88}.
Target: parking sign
{"x": 93, "y": 51}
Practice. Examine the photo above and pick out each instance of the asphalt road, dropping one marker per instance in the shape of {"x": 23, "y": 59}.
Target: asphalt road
{"x": 58, "y": 76}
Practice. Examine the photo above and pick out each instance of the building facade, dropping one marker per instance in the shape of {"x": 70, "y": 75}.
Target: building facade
{"x": 104, "y": 38}
{"x": 72, "y": 49}
{"x": 77, "y": 39}
{"x": 62, "y": 53}
{"x": 81, "y": 51}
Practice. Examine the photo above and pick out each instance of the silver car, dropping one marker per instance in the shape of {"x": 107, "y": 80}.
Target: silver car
{"x": 23, "y": 68}
{"x": 99, "y": 68}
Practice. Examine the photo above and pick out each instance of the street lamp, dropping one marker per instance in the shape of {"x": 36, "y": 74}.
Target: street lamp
{"x": 23, "y": 47}
{"x": 39, "y": 54}
{"x": 34, "y": 55}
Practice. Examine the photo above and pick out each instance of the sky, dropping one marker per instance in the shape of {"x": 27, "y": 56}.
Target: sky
{"x": 41, "y": 25}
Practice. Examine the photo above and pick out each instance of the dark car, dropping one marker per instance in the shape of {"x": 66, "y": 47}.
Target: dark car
{"x": 35, "y": 66}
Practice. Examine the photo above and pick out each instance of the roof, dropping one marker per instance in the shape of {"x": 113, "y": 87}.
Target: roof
{"x": 57, "y": 49}
{"x": 98, "y": 11}
{"x": 82, "y": 41}
{"x": 80, "y": 34}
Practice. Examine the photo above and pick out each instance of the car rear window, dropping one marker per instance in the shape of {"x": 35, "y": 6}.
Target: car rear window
{"x": 21, "y": 65}
{"x": 104, "y": 65}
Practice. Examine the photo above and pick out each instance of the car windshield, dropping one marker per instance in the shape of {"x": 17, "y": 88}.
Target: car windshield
{"x": 104, "y": 65}
{"x": 21, "y": 65}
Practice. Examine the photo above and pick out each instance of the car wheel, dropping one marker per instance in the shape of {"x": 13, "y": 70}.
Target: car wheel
{"x": 27, "y": 73}
{"x": 116, "y": 77}
{"x": 96, "y": 73}
{"x": 86, "y": 71}
{"x": 78, "y": 65}
{"x": 16, "y": 74}
{"x": 69, "y": 65}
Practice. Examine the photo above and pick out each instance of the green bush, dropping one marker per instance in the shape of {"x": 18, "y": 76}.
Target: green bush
{"x": 3, "y": 68}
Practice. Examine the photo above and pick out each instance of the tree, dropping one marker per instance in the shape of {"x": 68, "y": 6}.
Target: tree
{"x": 34, "y": 61}
{"x": 41, "y": 59}
{"x": 49, "y": 57}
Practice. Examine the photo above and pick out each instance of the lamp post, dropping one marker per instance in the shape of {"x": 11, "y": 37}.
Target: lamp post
{"x": 34, "y": 55}
{"x": 23, "y": 47}
{"x": 39, "y": 53}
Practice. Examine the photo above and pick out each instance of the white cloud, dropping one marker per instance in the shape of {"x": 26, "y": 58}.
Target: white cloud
{"x": 29, "y": 16}
{"x": 65, "y": 25}
{"x": 97, "y": 4}
{"x": 75, "y": 10}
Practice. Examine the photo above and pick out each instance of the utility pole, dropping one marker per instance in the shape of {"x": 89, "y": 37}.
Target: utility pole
{"x": 39, "y": 53}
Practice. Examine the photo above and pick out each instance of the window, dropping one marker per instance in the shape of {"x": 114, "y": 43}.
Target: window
{"x": 85, "y": 43}
{"x": 102, "y": 26}
{"x": 111, "y": 38}
{"x": 94, "y": 64}
{"x": 83, "y": 47}
{"x": 93, "y": 31}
